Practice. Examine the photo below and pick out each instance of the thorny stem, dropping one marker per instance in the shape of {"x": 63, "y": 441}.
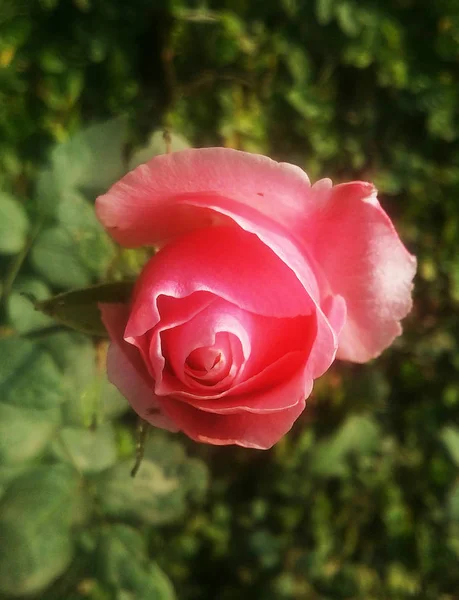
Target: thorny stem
{"x": 141, "y": 435}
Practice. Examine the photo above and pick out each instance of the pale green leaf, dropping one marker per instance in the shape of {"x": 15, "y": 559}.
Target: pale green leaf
{"x": 91, "y": 451}
{"x": 36, "y": 512}
{"x": 157, "y": 145}
{"x": 93, "y": 158}
{"x": 13, "y": 225}
{"x": 358, "y": 435}
{"x": 150, "y": 496}
{"x": 124, "y": 566}
{"x": 55, "y": 256}
{"x": 453, "y": 502}
{"x": 20, "y": 307}
{"x": 94, "y": 247}
{"x": 324, "y": 11}
{"x": 25, "y": 433}
{"x": 29, "y": 378}
{"x": 75, "y": 356}
{"x": 450, "y": 437}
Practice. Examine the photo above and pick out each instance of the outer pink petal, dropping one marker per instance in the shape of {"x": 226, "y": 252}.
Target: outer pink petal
{"x": 126, "y": 370}
{"x": 245, "y": 429}
{"x": 358, "y": 249}
{"x": 140, "y": 210}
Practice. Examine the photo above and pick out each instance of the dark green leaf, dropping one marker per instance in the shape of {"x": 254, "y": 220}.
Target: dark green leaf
{"x": 79, "y": 310}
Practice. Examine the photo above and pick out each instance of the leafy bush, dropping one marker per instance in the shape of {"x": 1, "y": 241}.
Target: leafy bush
{"x": 361, "y": 500}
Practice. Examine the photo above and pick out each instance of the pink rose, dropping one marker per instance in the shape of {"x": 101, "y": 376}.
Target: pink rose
{"x": 261, "y": 281}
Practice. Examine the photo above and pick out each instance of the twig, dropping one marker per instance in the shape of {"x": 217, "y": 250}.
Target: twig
{"x": 141, "y": 435}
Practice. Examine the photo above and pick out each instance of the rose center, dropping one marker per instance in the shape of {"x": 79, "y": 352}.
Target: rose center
{"x": 203, "y": 360}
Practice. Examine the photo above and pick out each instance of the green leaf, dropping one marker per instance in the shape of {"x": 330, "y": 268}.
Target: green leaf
{"x": 30, "y": 395}
{"x": 157, "y": 145}
{"x": 8, "y": 473}
{"x": 25, "y": 433}
{"x": 20, "y": 307}
{"x": 94, "y": 247}
{"x": 55, "y": 256}
{"x": 450, "y": 437}
{"x": 29, "y": 378}
{"x": 75, "y": 356}
{"x": 91, "y": 451}
{"x": 93, "y": 158}
{"x": 359, "y": 435}
{"x": 13, "y": 225}
{"x": 324, "y": 11}
{"x": 453, "y": 502}
{"x": 118, "y": 544}
{"x": 298, "y": 63}
{"x": 346, "y": 15}
{"x": 124, "y": 566}
{"x": 79, "y": 310}
{"x": 171, "y": 457}
{"x": 76, "y": 250}
{"x": 36, "y": 512}
{"x": 112, "y": 403}
{"x": 47, "y": 192}
{"x": 148, "y": 496}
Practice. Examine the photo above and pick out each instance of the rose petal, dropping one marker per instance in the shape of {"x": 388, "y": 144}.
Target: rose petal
{"x": 274, "y": 389}
{"x": 212, "y": 365}
{"x": 198, "y": 188}
{"x": 200, "y": 332}
{"x": 126, "y": 370}
{"x": 246, "y": 429}
{"x": 167, "y": 312}
{"x": 286, "y": 336}
{"x": 140, "y": 209}
{"x": 295, "y": 258}
{"x": 365, "y": 262}
{"x": 226, "y": 261}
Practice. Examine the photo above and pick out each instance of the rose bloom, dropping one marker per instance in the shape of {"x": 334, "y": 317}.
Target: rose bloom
{"x": 261, "y": 281}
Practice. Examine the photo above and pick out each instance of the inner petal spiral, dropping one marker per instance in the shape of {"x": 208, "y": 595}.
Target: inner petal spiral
{"x": 209, "y": 349}
{"x": 211, "y": 364}
{"x": 203, "y": 359}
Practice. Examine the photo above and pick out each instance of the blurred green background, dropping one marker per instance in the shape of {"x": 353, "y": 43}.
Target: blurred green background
{"x": 361, "y": 499}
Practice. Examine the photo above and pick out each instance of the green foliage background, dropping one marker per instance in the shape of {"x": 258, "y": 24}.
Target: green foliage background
{"x": 361, "y": 499}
